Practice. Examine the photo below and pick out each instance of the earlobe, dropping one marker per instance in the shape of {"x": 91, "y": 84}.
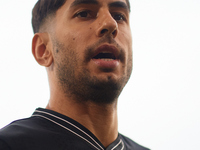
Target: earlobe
{"x": 41, "y": 49}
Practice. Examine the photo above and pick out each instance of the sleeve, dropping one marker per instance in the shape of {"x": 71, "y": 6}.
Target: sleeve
{"x": 4, "y": 146}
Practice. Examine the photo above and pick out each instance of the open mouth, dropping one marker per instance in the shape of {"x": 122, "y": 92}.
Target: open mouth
{"x": 105, "y": 56}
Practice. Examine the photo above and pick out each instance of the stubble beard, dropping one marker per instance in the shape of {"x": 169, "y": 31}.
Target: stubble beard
{"x": 79, "y": 84}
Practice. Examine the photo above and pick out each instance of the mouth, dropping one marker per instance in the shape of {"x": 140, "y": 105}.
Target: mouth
{"x": 106, "y": 52}
{"x": 106, "y": 56}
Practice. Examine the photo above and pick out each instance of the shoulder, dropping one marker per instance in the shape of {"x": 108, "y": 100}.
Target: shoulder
{"x": 3, "y": 145}
{"x": 17, "y": 133}
{"x": 131, "y": 145}
{"x": 19, "y": 127}
{"x": 15, "y": 128}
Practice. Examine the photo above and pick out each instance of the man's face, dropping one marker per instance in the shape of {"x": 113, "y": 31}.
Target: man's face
{"x": 92, "y": 48}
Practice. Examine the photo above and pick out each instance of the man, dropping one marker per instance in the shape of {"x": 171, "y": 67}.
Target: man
{"x": 86, "y": 48}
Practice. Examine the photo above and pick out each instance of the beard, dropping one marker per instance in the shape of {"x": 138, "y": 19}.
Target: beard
{"x": 78, "y": 83}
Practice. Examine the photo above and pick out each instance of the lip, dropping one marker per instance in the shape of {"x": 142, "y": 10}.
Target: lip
{"x": 107, "y": 63}
{"x": 107, "y": 48}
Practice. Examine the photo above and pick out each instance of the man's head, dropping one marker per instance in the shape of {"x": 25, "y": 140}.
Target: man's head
{"x": 86, "y": 46}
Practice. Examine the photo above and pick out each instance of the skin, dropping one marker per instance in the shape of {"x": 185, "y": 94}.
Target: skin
{"x": 79, "y": 87}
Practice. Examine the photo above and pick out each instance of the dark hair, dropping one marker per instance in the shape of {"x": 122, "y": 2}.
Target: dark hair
{"x": 42, "y": 9}
{"x": 45, "y": 8}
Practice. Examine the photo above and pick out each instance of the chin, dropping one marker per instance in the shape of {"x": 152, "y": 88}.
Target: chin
{"x": 106, "y": 91}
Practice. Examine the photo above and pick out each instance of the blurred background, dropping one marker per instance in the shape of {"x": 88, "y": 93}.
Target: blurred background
{"x": 160, "y": 106}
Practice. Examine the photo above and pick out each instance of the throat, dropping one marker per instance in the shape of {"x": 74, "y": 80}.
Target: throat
{"x": 99, "y": 119}
{"x": 102, "y": 122}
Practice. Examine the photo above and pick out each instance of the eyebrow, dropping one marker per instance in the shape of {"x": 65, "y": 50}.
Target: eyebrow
{"x": 79, "y": 2}
{"x": 119, "y": 5}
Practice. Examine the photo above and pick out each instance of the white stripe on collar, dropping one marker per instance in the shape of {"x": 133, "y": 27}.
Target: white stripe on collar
{"x": 100, "y": 147}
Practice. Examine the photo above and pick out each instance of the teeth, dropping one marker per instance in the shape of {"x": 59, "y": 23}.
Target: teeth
{"x": 106, "y": 59}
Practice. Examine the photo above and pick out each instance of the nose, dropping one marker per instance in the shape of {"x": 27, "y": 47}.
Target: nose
{"x": 107, "y": 25}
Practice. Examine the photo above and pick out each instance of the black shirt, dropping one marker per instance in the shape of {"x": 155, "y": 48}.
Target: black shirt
{"x": 49, "y": 130}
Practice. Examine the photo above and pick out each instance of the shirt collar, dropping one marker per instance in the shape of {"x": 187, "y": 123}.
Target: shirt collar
{"x": 77, "y": 129}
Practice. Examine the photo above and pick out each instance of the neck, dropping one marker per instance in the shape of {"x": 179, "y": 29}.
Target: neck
{"x": 100, "y": 119}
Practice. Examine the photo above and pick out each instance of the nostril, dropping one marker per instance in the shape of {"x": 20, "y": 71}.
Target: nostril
{"x": 104, "y": 31}
{"x": 114, "y": 32}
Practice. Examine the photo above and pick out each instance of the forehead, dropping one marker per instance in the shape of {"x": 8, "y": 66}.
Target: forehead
{"x": 98, "y": 1}
{"x": 111, "y": 3}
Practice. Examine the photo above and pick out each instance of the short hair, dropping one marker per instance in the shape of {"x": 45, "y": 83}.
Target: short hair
{"x": 45, "y": 8}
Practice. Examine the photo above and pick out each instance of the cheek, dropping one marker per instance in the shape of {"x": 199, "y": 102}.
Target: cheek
{"x": 125, "y": 35}
{"x": 79, "y": 39}
{"x": 125, "y": 40}
{"x": 77, "y": 43}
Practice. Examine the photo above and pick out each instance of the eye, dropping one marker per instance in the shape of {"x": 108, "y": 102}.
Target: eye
{"x": 119, "y": 17}
{"x": 84, "y": 14}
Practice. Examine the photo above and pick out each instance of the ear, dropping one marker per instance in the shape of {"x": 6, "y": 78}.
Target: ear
{"x": 41, "y": 49}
